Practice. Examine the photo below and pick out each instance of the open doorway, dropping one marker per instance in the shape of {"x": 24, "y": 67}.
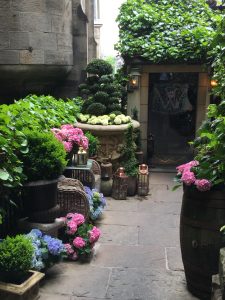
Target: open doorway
{"x": 171, "y": 117}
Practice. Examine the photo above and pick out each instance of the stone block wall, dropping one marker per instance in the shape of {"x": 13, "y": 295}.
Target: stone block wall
{"x": 41, "y": 43}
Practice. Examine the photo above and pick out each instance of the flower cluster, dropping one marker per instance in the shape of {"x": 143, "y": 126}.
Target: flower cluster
{"x": 97, "y": 202}
{"x": 187, "y": 175}
{"x": 47, "y": 250}
{"x": 80, "y": 237}
{"x": 71, "y": 137}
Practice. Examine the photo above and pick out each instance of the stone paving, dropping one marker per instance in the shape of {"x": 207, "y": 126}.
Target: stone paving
{"x": 137, "y": 257}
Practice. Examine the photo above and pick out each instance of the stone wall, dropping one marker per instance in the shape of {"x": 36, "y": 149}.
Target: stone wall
{"x": 41, "y": 43}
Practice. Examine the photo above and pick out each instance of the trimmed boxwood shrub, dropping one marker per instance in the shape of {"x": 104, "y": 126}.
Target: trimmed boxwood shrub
{"x": 45, "y": 158}
{"x": 96, "y": 109}
{"x": 99, "y": 67}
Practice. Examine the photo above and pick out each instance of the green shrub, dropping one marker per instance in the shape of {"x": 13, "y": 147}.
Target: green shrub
{"x": 16, "y": 254}
{"x": 113, "y": 107}
{"x": 92, "y": 80}
{"x": 45, "y": 158}
{"x": 99, "y": 67}
{"x": 86, "y": 103}
{"x": 166, "y": 31}
{"x": 106, "y": 79}
{"x": 101, "y": 97}
{"x": 93, "y": 144}
{"x": 96, "y": 109}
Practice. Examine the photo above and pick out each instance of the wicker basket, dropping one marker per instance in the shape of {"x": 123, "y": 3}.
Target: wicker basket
{"x": 72, "y": 198}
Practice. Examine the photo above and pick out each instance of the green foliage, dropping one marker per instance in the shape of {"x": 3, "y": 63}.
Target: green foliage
{"x": 210, "y": 145}
{"x": 128, "y": 160}
{"x": 46, "y": 156}
{"x": 16, "y": 254}
{"x": 99, "y": 67}
{"x": 96, "y": 109}
{"x": 42, "y": 112}
{"x": 101, "y": 97}
{"x": 103, "y": 88}
{"x": 166, "y": 31}
{"x": 94, "y": 143}
{"x": 218, "y": 57}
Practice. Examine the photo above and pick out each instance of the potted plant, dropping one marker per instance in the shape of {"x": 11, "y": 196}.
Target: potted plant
{"x": 129, "y": 161}
{"x": 17, "y": 281}
{"x": 47, "y": 250}
{"x": 93, "y": 144}
{"x": 80, "y": 237}
{"x": 203, "y": 206}
{"x": 97, "y": 203}
{"x": 42, "y": 166}
{"x": 72, "y": 138}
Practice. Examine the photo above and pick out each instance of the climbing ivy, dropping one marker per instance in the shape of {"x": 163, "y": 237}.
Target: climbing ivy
{"x": 218, "y": 58}
{"x": 166, "y": 31}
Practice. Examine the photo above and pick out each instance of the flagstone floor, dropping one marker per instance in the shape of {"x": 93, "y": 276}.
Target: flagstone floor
{"x": 137, "y": 257}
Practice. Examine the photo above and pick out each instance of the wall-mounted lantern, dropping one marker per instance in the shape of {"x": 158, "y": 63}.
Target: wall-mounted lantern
{"x": 134, "y": 79}
{"x": 213, "y": 83}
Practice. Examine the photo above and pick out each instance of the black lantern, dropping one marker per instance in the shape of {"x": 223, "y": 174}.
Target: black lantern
{"x": 134, "y": 80}
{"x": 119, "y": 187}
{"x": 143, "y": 180}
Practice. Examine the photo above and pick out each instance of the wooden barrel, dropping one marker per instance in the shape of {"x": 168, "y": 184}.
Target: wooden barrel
{"x": 202, "y": 216}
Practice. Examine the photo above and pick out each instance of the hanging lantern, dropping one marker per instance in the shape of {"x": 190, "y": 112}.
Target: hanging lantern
{"x": 119, "y": 187}
{"x": 82, "y": 157}
{"x": 134, "y": 80}
{"x": 143, "y": 180}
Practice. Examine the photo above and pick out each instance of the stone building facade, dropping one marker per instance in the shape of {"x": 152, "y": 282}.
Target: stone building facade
{"x": 45, "y": 46}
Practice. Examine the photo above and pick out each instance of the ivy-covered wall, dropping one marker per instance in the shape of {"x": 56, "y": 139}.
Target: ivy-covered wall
{"x": 166, "y": 31}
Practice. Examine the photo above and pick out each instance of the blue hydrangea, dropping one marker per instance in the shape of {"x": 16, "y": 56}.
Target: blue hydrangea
{"x": 55, "y": 246}
{"x": 97, "y": 202}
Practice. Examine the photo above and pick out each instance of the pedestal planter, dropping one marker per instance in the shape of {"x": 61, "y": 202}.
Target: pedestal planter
{"x": 111, "y": 138}
{"x": 202, "y": 215}
{"x": 40, "y": 199}
{"x": 28, "y": 290}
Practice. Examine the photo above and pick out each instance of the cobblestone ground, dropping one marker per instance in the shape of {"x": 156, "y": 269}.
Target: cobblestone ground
{"x": 138, "y": 256}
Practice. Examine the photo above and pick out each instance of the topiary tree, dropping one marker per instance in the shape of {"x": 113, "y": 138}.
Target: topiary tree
{"x": 101, "y": 88}
{"x": 166, "y": 31}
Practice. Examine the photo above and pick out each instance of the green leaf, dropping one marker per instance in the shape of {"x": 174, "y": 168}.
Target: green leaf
{"x": 4, "y": 175}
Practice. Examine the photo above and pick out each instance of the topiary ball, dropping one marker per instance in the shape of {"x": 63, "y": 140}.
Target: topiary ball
{"x": 101, "y": 97}
{"x": 99, "y": 67}
{"x": 113, "y": 107}
{"x": 96, "y": 109}
{"x": 92, "y": 80}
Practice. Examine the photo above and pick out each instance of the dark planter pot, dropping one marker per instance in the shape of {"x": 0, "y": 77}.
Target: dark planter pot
{"x": 39, "y": 200}
{"x": 106, "y": 187}
{"x": 202, "y": 215}
{"x": 132, "y": 185}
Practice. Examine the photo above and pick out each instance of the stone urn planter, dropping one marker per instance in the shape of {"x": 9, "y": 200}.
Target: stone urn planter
{"x": 111, "y": 138}
{"x": 27, "y": 290}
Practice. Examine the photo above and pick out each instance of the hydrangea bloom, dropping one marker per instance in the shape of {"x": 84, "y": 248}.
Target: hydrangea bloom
{"x": 94, "y": 234}
{"x": 83, "y": 240}
{"x": 71, "y": 137}
{"x": 203, "y": 185}
{"x": 47, "y": 250}
{"x": 97, "y": 202}
{"x": 79, "y": 242}
{"x": 188, "y": 177}
{"x": 72, "y": 227}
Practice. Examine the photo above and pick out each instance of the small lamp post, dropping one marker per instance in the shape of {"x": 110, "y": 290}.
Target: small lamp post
{"x": 143, "y": 180}
{"x": 120, "y": 182}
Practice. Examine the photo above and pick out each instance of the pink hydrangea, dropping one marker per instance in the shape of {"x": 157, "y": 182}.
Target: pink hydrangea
{"x": 69, "y": 215}
{"x": 187, "y": 166}
{"x": 94, "y": 234}
{"x": 78, "y": 242}
{"x": 71, "y": 227}
{"x": 78, "y": 219}
{"x": 68, "y": 146}
{"x": 69, "y": 249}
{"x": 203, "y": 185}
{"x": 188, "y": 177}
